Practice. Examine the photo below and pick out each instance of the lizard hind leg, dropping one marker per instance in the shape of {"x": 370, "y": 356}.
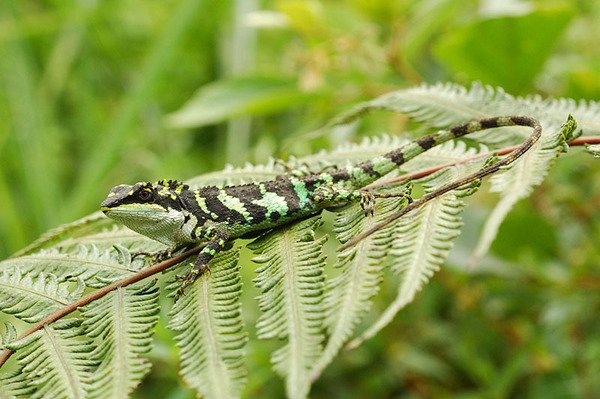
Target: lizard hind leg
{"x": 367, "y": 198}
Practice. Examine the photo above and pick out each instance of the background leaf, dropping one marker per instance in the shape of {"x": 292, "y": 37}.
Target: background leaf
{"x": 505, "y": 51}
{"x": 249, "y": 95}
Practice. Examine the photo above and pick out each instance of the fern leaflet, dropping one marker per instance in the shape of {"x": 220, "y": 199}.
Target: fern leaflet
{"x": 14, "y": 385}
{"x": 122, "y": 324}
{"x": 88, "y": 263}
{"x": 32, "y": 298}
{"x": 210, "y": 330}
{"x": 290, "y": 278}
{"x": 518, "y": 181}
{"x": 348, "y": 296}
{"x": 422, "y": 243}
{"x": 61, "y": 351}
{"x": 594, "y": 149}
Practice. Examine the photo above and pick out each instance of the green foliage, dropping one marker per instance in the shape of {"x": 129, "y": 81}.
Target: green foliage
{"x": 33, "y": 298}
{"x": 422, "y": 242}
{"x": 313, "y": 312}
{"x": 515, "y": 59}
{"x": 86, "y": 91}
{"x": 62, "y": 352}
{"x": 290, "y": 278}
{"x": 220, "y": 101}
{"x": 594, "y": 149}
{"x": 348, "y": 296}
{"x": 210, "y": 331}
{"x": 122, "y": 323}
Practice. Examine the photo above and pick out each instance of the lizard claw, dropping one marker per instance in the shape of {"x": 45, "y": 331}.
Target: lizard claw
{"x": 189, "y": 279}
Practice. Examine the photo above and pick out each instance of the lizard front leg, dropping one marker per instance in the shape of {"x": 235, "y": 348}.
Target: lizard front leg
{"x": 217, "y": 237}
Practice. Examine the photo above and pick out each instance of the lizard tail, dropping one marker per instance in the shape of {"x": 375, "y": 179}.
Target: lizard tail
{"x": 364, "y": 173}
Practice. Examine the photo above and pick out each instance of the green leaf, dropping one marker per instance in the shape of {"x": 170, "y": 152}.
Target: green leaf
{"x": 348, "y": 296}
{"x": 87, "y": 262}
{"x": 507, "y": 51}
{"x": 290, "y": 278}
{"x": 122, "y": 324}
{"x": 209, "y": 329}
{"x": 252, "y": 95}
{"x": 32, "y": 298}
{"x": 78, "y": 228}
{"x": 62, "y": 352}
{"x": 14, "y": 385}
{"x": 9, "y": 335}
{"x": 444, "y": 104}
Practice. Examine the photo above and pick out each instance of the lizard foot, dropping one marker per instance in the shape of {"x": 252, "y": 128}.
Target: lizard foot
{"x": 367, "y": 202}
{"x": 190, "y": 278}
{"x": 155, "y": 257}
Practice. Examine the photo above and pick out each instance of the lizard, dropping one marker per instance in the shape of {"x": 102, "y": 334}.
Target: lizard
{"x": 178, "y": 216}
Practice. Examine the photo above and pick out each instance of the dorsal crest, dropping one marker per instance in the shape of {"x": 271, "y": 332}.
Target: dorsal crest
{"x": 174, "y": 185}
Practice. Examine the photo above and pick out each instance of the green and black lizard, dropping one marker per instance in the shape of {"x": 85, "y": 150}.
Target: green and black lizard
{"x": 176, "y": 215}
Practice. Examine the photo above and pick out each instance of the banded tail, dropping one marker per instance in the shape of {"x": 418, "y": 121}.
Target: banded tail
{"x": 365, "y": 173}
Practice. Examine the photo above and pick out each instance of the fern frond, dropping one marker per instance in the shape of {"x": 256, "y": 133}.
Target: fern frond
{"x": 439, "y": 105}
{"x": 594, "y": 149}
{"x": 14, "y": 385}
{"x": 122, "y": 324}
{"x": 210, "y": 330}
{"x": 518, "y": 181}
{"x": 9, "y": 335}
{"x": 61, "y": 351}
{"x": 290, "y": 278}
{"x": 88, "y": 263}
{"x": 31, "y": 298}
{"x": 348, "y": 296}
{"x": 105, "y": 238}
{"x": 587, "y": 113}
{"x": 422, "y": 242}
{"x": 78, "y": 228}
{"x": 445, "y": 104}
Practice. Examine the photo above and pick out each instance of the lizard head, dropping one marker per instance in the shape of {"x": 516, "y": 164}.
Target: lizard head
{"x": 151, "y": 209}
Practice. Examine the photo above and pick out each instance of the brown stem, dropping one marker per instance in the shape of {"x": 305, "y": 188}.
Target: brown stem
{"x": 159, "y": 267}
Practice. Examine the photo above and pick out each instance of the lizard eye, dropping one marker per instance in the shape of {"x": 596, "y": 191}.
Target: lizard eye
{"x": 145, "y": 195}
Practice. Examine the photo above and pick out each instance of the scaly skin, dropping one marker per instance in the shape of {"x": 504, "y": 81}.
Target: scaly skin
{"x": 172, "y": 213}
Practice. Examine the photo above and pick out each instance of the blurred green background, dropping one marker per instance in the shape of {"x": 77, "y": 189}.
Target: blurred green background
{"x": 97, "y": 93}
